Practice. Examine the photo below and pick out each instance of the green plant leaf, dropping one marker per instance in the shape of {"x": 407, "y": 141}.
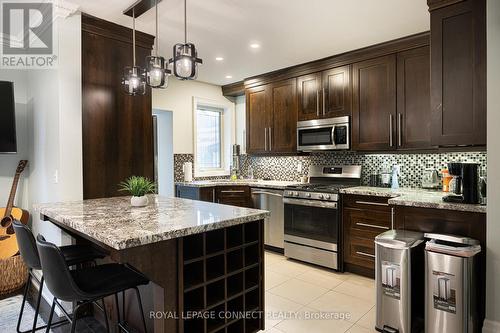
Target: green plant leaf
{"x": 137, "y": 186}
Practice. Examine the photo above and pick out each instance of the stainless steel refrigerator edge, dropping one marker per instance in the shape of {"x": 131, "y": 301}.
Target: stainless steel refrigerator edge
{"x": 271, "y": 200}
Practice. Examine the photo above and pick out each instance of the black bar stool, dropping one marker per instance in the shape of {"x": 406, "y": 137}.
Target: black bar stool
{"x": 73, "y": 255}
{"x": 86, "y": 285}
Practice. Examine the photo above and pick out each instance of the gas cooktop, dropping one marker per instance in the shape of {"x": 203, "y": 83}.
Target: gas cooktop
{"x": 325, "y": 188}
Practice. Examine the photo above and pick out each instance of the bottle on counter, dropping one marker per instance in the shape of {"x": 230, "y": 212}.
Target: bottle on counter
{"x": 446, "y": 177}
{"x": 396, "y": 170}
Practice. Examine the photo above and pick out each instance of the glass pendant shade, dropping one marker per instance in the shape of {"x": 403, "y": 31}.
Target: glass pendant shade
{"x": 156, "y": 73}
{"x": 134, "y": 82}
{"x": 185, "y": 61}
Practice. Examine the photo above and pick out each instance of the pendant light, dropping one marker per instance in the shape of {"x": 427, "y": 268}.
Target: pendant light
{"x": 133, "y": 81}
{"x": 185, "y": 60}
{"x": 156, "y": 73}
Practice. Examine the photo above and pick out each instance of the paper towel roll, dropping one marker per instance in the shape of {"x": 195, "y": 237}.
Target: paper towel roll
{"x": 188, "y": 171}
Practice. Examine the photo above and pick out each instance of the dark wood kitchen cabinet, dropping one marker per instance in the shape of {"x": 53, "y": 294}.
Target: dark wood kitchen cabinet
{"x": 364, "y": 217}
{"x": 272, "y": 118}
{"x": 226, "y": 195}
{"x": 374, "y": 104}
{"x": 458, "y": 72}
{"x": 283, "y": 132}
{"x": 325, "y": 94}
{"x": 413, "y": 99}
{"x": 196, "y": 193}
{"x": 259, "y": 118}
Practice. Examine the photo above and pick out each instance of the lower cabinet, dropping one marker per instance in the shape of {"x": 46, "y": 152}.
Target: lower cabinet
{"x": 364, "y": 217}
{"x": 226, "y": 195}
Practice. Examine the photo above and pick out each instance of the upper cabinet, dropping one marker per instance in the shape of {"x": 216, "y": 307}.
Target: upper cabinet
{"x": 458, "y": 72}
{"x": 272, "y": 118}
{"x": 374, "y": 104}
{"x": 413, "y": 99}
{"x": 325, "y": 94}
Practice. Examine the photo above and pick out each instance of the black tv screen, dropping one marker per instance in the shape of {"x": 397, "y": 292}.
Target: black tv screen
{"x": 7, "y": 118}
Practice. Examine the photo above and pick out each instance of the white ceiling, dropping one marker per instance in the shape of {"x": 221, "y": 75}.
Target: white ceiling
{"x": 290, "y": 32}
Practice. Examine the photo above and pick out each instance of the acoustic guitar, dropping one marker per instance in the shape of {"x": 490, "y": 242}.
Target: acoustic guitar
{"x": 8, "y": 241}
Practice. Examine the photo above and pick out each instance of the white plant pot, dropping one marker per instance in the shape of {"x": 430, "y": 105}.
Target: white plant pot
{"x": 139, "y": 201}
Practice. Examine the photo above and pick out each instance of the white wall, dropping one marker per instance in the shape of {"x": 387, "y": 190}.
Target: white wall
{"x": 8, "y": 162}
{"x": 178, "y": 97}
{"x": 492, "y": 323}
{"x": 165, "y": 158}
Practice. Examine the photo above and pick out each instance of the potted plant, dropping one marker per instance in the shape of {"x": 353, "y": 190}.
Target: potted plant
{"x": 138, "y": 187}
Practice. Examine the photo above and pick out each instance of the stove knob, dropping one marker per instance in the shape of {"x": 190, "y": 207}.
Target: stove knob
{"x": 296, "y": 194}
{"x": 308, "y": 195}
{"x": 320, "y": 196}
{"x": 328, "y": 197}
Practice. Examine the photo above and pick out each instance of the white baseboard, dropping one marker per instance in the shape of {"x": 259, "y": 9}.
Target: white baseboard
{"x": 491, "y": 326}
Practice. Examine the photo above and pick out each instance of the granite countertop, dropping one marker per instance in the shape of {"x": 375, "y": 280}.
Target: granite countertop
{"x": 113, "y": 222}
{"x": 414, "y": 198}
{"x": 276, "y": 184}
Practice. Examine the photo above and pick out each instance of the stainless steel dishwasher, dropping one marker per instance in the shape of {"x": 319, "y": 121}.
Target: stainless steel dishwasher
{"x": 274, "y": 227}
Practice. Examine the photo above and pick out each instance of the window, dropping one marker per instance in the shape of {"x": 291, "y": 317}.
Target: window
{"x": 213, "y": 138}
{"x": 209, "y": 137}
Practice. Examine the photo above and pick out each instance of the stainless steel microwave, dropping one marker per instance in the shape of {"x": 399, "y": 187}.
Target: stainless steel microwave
{"x": 323, "y": 134}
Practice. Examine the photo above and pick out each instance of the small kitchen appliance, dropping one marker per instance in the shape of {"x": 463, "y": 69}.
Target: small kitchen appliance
{"x": 465, "y": 183}
{"x": 323, "y": 134}
{"x": 430, "y": 179}
{"x": 312, "y": 217}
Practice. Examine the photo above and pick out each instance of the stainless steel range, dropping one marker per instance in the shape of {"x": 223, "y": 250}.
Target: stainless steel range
{"x": 312, "y": 217}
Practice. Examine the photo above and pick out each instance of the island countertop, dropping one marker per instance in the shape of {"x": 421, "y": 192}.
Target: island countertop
{"x": 113, "y": 222}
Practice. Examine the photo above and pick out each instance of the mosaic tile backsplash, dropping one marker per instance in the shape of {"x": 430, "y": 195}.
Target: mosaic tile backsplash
{"x": 287, "y": 167}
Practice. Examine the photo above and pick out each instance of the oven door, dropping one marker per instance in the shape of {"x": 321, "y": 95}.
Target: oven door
{"x": 312, "y": 223}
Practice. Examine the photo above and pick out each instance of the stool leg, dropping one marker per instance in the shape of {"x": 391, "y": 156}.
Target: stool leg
{"x": 49, "y": 322}
{"x": 38, "y": 304}
{"x": 105, "y": 315}
{"x": 141, "y": 309}
{"x": 75, "y": 317}
{"x": 26, "y": 288}
{"x": 118, "y": 313}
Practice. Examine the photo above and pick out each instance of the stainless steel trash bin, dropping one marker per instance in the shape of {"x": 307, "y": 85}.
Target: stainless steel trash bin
{"x": 399, "y": 260}
{"x": 450, "y": 288}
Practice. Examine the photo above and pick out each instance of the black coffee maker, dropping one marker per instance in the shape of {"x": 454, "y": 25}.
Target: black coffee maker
{"x": 466, "y": 183}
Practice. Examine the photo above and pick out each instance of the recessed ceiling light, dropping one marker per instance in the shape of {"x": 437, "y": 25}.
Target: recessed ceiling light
{"x": 229, "y": 76}
{"x": 254, "y": 45}
{"x": 219, "y": 58}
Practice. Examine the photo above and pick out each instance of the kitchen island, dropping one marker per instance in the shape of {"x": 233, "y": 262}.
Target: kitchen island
{"x": 204, "y": 260}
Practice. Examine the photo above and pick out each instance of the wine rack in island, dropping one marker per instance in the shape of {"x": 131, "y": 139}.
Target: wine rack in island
{"x": 222, "y": 280}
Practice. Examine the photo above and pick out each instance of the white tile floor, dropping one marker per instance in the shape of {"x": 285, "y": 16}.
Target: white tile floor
{"x": 302, "y": 298}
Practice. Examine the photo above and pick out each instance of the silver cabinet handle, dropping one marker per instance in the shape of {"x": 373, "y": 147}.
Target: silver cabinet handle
{"x": 232, "y": 191}
{"x": 270, "y": 140}
{"x": 213, "y": 195}
{"x": 265, "y": 139}
{"x": 400, "y": 136}
{"x": 324, "y": 102}
{"x": 371, "y": 225}
{"x": 390, "y": 130}
{"x": 372, "y": 203}
{"x": 365, "y": 254}
{"x": 317, "y": 103}
{"x": 392, "y": 218}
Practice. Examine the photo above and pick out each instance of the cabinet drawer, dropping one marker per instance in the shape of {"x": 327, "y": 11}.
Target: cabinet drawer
{"x": 361, "y": 251}
{"x": 233, "y": 191}
{"x": 366, "y": 202}
{"x": 367, "y": 224}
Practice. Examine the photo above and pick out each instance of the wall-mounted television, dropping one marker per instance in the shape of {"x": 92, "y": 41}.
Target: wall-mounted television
{"x": 8, "y": 142}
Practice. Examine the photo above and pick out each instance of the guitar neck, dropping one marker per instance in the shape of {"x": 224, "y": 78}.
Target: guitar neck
{"x": 12, "y": 195}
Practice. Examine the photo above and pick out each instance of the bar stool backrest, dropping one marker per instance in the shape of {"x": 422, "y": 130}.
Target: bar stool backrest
{"x": 56, "y": 272}
{"x": 27, "y": 245}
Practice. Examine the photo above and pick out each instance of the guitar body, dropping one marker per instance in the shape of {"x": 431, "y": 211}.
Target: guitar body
{"x": 8, "y": 241}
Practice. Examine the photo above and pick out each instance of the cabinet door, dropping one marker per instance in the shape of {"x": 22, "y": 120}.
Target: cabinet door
{"x": 458, "y": 74}
{"x": 337, "y": 92}
{"x": 413, "y": 95}
{"x": 283, "y": 132}
{"x": 258, "y": 119}
{"x": 308, "y": 92}
{"x": 374, "y": 104}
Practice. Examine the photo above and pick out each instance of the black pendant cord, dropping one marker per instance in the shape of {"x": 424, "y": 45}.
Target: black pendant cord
{"x": 157, "y": 41}
{"x": 185, "y": 22}
{"x": 133, "y": 34}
